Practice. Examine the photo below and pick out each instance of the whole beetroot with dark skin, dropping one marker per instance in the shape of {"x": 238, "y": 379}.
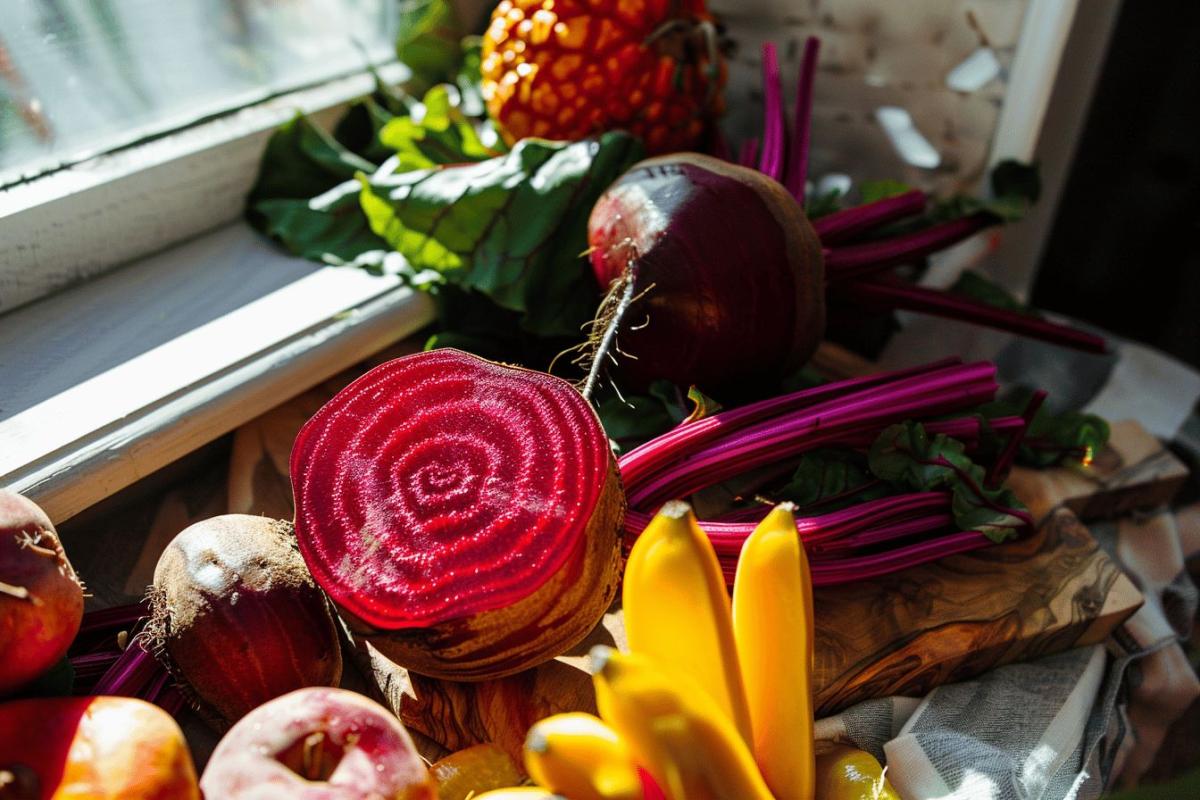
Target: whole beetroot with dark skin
{"x": 728, "y": 271}
{"x": 41, "y": 598}
{"x": 240, "y": 617}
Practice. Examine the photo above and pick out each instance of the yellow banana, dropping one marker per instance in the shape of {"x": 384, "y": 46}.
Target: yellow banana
{"x": 847, "y": 773}
{"x": 578, "y": 756}
{"x": 677, "y": 609}
{"x": 773, "y": 625}
{"x": 519, "y": 793}
{"x": 675, "y": 730}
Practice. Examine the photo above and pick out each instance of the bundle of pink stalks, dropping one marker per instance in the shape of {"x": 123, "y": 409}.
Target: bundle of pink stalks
{"x": 108, "y": 658}
{"x": 858, "y": 262}
{"x": 871, "y": 538}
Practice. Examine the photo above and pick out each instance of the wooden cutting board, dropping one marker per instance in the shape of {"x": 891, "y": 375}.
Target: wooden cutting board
{"x": 900, "y": 634}
{"x": 1133, "y": 472}
{"x": 955, "y": 618}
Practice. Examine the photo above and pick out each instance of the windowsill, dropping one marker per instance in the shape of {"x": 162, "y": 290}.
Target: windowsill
{"x": 119, "y": 376}
{"x": 69, "y": 226}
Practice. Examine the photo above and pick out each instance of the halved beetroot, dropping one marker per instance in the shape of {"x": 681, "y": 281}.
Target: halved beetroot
{"x": 462, "y": 514}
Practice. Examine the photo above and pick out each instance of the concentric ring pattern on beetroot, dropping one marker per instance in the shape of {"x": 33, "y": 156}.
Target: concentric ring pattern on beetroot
{"x": 441, "y": 485}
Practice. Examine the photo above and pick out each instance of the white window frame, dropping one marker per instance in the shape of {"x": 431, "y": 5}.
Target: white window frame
{"x": 86, "y": 218}
{"x": 112, "y": 243}
{"x": 117, "y": 241}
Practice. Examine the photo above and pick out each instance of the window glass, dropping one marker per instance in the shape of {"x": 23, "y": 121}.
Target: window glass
{"x": 79, "y": 77}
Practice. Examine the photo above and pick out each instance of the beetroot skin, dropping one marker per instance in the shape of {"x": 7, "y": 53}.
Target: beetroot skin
{"x": 240, "y": 617}
{"x": 41, "y": 598}
{"x": 727, "y": 269}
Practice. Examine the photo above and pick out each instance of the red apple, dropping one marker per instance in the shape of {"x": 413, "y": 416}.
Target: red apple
{"x": 318, "y": 743}
{"x": 93, "y": 748}
{"x": 41, "y": 599}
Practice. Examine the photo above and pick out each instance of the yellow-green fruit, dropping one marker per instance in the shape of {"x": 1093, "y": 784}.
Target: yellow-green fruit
{"x": 466, "y": 773}
{"x": 773, "y": 625}
{"x": 847, "y": 773}
{"x": 677, "y": 609}
{"x": 675, "y": 730}
{"x": 519, "y": 793}
{"x": 580, "y": 757}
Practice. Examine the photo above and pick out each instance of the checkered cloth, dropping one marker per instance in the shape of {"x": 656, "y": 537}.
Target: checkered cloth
{"x": 1072, "y": 724}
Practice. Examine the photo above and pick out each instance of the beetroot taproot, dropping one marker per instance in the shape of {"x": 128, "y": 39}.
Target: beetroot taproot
{"x": 239, "y": 616}
{"x": 463, "y": 515}
{"x": 41, "y": 598}
{"x": 725, "y": 270}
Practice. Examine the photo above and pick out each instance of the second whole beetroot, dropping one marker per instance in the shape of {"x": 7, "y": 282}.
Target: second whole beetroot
{"x": 239, "y": 616}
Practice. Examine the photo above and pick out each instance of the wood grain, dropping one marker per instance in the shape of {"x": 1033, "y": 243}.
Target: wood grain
{"x": 1133, "y": 472}
{"x": 458, "y": 715}
{"x": 958, "y": 617}
{"x": 899, "y": 634}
